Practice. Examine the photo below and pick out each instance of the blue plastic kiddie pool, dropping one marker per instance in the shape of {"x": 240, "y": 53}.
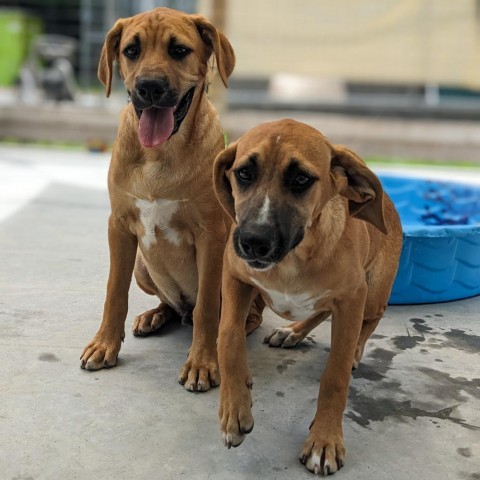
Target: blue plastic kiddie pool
{"x": 440, "y": 259}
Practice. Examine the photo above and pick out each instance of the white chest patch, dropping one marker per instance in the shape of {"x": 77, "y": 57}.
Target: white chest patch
{"x": 299, "y": 306}
{"x": 157, "y": 214}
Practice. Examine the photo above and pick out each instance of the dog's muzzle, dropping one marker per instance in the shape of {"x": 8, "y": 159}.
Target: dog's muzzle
{"x": 262, "y": 246}
{"x": 159, "y": 109}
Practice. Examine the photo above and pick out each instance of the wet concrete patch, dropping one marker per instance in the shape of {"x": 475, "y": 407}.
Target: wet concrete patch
{"x": 285, "y": 364}
{"x": 404, "y": 342}
{"x": 420, "y": 325}
{"x": 367, "y": 410}
{"x": 457, "y": 338}
{"x": 384, "y": 397}
{"x": 470, "y": 476}
{"x": 446, "y": 387}
{"x": 382, "y": 362}
{"x": 368, "y": 372}
{"x": 376, "y": 336}
{"x": 464, "y": 452}
{"x": 48, "y": 357}
{"x": 436, "y": 338}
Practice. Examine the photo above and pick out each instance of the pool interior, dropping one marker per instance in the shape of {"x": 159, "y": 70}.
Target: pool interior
{"x": 432, "y": 207}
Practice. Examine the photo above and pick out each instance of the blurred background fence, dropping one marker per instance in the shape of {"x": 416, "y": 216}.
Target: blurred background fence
{"x": 306, "y": 49}
{"x": 390, "y": 58}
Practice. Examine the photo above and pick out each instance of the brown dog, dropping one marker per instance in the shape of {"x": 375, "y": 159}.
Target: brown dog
{"x": 166, "y": 224}
{"x": 315, "y": 234}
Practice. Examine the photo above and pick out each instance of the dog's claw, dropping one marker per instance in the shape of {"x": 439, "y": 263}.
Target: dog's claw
{"x": 232, "y": 440}
{"x": 246, "y": 430}
{"x": 199, "y": 376}
{"x": 321, "y": 454}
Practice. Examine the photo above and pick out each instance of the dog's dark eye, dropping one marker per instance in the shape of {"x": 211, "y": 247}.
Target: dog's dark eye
{"x": 244, "y": 175}
{"x": 178, "y": 52}
{"x": 301, "y": 183}
{"x": 301, "y": 180}
{"x": 296, "y": 179}
{"x": 132, "y": 52}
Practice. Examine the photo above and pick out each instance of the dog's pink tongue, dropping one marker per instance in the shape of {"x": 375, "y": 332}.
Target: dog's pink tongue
{"x": 156, "y": 125}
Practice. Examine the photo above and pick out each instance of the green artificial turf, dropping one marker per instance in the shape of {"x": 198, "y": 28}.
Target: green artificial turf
{"x": 421, "y": 163}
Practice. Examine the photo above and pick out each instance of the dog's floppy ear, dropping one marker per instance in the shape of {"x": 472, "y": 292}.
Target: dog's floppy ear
{"x": 109, "y": 54}
{"x": 355, "y": 181}
{"x": 223, "y": 189}
{"x": 219, "y": 45}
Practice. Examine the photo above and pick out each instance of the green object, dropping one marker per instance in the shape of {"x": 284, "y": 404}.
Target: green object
{"x": 17, "y": 32}
{"x": 418, "y": 162}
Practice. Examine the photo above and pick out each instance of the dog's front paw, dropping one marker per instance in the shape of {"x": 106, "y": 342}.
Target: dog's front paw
{"x": 200, "y": 372}
{"x": 101, "y": 352}
{"x": 236, "y": 419}
{"x": 285, "y": 337}
{"x": 323, "y": 453}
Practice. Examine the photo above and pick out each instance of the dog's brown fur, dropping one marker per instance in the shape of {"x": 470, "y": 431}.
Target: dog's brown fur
{"x": 166, "y": 225}
{"x": 343, "y": 266}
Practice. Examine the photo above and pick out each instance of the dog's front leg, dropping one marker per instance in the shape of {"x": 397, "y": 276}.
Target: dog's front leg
{"x": 103, "y": 350}
{"x": 235, "y": 410}
{"x": 200, "y": 371}
{"x": 323, "y": 451}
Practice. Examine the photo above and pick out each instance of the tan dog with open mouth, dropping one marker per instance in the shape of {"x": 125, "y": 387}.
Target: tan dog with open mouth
{"x": 316, "y": 236}
{"x": 166, "y": 225}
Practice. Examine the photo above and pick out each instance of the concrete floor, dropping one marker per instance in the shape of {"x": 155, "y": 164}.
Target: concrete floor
{"x": 414, "y": 406}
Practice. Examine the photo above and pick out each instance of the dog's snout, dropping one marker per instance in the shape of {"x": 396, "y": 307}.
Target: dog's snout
{"x": 257, "y": 245}
{"x": 151, "y": 89}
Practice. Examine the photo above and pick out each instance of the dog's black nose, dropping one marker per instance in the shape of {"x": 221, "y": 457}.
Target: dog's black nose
{"x": 151, "y": 89}
{"x": 257, "y": 245}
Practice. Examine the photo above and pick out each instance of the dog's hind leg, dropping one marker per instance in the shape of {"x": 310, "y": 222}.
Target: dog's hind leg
{"x": 294, "y": 333}
{"x": 380, "y": 282}
{"x": 380, "y": 278}
{"x": 151, "y": 320}
{"x": 368, "y": 327}
{"x": 255, "y": 315}
{"x": 143, "y": 278}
